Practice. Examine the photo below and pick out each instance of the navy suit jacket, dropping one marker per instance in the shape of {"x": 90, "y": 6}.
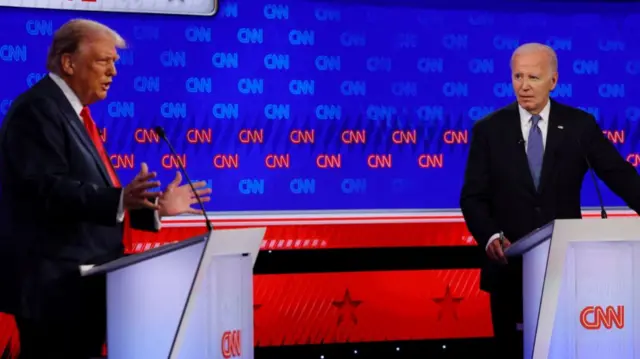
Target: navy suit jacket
{"x": 498, "y": 192}
{"x": 58, "y": 208}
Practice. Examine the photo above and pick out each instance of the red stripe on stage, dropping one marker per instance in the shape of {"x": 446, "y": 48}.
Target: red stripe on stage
{"x": 332, "y": 236}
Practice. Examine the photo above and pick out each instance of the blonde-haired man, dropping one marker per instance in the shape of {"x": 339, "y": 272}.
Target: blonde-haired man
{"x": 61, "y": 202}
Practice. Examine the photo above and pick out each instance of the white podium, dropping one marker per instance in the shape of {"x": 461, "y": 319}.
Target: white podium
{"x": 581, "y": 286}
{"x": 191, "y": 299}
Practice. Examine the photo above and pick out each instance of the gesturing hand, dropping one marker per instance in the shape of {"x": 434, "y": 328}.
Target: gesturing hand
{"x": 137, "y": 194}
{"x": 178, "y": 199}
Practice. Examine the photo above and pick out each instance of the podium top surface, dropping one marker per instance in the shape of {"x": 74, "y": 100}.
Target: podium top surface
{"x": 526, "y": 243}
{"x": 579, "y": 230}
{"x": 146, "y": 255}
{"x": 216, "y": 243}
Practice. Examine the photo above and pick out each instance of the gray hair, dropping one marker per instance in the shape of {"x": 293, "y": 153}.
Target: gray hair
{"x": 68, "y": 38}
{"x": 537, "y": 47}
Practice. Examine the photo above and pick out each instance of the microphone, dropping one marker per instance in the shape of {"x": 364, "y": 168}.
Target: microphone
{"x": 160, "y": 131}
{"x": 521, "y": 141}
{"x": 603, "y": 212}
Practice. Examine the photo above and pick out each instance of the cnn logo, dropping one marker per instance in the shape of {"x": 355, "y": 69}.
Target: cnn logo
{"x": 596, "y": 317}
{"x": 231, "y": 344}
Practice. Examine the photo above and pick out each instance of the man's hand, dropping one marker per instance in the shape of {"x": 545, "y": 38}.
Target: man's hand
{"x": 495, "y": 250}
{"x": 178, "y": 199}
{"x": 137, "y": 194}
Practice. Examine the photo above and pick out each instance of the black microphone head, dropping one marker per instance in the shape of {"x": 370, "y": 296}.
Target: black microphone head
{"x": 160, "y": 131}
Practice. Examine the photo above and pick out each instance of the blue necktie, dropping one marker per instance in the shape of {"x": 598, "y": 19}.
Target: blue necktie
{"x": 535, "y": 149}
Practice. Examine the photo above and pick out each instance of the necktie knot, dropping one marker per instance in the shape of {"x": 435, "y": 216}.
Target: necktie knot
{"x": 535, "y": 119}
{"x": 85, "y": 115}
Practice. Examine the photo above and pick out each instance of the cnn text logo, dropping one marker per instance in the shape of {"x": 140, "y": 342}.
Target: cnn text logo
{"x": 595, "y": 317}
{"x": 230, "y": 344}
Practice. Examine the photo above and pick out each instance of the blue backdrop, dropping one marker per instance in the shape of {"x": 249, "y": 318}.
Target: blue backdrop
{"x": 305, "y": 105}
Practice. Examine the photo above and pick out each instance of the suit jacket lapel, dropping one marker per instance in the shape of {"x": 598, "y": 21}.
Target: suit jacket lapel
{"x": 76, "y": 125}
{"x": 555, "y": 133}
{"x": 83, "y": 136}
{"x": 519, "y": 159}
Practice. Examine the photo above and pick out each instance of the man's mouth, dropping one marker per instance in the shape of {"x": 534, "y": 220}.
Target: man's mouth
{"x": 106, "y": 85}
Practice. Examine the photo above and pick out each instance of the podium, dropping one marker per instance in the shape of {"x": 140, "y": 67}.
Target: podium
{"x": 190, "y": 299}
{"x": 581, "y": 287}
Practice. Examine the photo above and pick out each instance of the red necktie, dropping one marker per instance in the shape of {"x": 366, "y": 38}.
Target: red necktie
{"x": 94, "y": 134}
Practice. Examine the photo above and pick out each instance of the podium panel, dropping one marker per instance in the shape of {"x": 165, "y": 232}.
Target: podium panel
{"x": 532, "y": 283}
{"x": 597, "y": 315}
{"x": 144, "y": 303}
{"x": 191, "y": 299}
{"x": 581, "y": 289}
{"x": 219, "y": 325}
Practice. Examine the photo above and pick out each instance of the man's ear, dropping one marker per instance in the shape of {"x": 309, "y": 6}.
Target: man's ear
{"x": 66, "y": 64}
{"x": 554, "y": 80}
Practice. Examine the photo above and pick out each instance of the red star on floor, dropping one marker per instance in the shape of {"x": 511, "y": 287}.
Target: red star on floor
{"x": 347, "y": 307}
{"x": 448, "y": 304}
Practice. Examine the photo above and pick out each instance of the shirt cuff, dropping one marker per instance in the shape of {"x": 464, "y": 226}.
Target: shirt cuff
{"x": 120, "y": 214}
{"x": 493, "y": 238}
{"x": 157, "y": 223}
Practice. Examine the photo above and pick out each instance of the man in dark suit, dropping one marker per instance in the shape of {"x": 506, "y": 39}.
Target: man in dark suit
{"x": 525, "y": 168}
{"x": 61, "y": 203}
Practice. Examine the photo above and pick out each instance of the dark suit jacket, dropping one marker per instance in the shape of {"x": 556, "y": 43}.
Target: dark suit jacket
{"x": 57, "y": 205}
{"x": 498, "y": 192}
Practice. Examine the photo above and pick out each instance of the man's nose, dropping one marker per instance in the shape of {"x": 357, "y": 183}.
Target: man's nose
{"x": 112, "y": 71}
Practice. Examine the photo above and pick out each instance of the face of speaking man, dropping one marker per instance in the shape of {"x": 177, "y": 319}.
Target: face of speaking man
{"x": 533, "y": 78}
{"x": 91, "y": 68}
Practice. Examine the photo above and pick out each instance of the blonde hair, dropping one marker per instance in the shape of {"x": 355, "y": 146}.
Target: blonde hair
{"x": 537, "y": 47}
{"x": 70, "y": 36}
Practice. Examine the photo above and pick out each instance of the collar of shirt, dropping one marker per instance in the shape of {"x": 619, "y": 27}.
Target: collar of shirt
{"x": 525, "y": 116}
{"x": 68, "y": 93}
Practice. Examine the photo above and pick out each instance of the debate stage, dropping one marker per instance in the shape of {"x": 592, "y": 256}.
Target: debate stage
{"x": 402, "y": 282}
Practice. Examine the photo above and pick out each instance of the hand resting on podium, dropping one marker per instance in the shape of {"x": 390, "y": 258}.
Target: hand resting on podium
{"x": 495, "y": 249}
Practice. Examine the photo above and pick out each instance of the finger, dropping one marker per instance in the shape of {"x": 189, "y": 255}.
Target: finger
{"x": 143, "y": 177}
{"x": 491, "y": 253}
{"x": 149, "y": 205}
{"x": 194, "y": 200}
{"x": 143, "y": 186}
{"x": 149, "y": 194}
{"x": 139, "y": 203}
{"x": 500, "y": 255}
{"x": 203, "y": 192}
{"x": 144, "y": 169}
{"x": 176, "y": 181}
{"x": 496, "y": 251}
{"x": 200, "y": 184}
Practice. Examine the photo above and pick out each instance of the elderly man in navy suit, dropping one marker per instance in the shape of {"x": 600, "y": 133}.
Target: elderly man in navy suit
{"x": 526, "y": 166}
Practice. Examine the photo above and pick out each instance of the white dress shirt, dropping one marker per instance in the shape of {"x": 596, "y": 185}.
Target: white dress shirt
{"x": 525, "y": 124}
{"x": 77, "y": 107}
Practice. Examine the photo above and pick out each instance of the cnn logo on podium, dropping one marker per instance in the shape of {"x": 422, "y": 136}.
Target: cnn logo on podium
{"x": 231, "y": 344}
{"x": 596, "y": 317}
